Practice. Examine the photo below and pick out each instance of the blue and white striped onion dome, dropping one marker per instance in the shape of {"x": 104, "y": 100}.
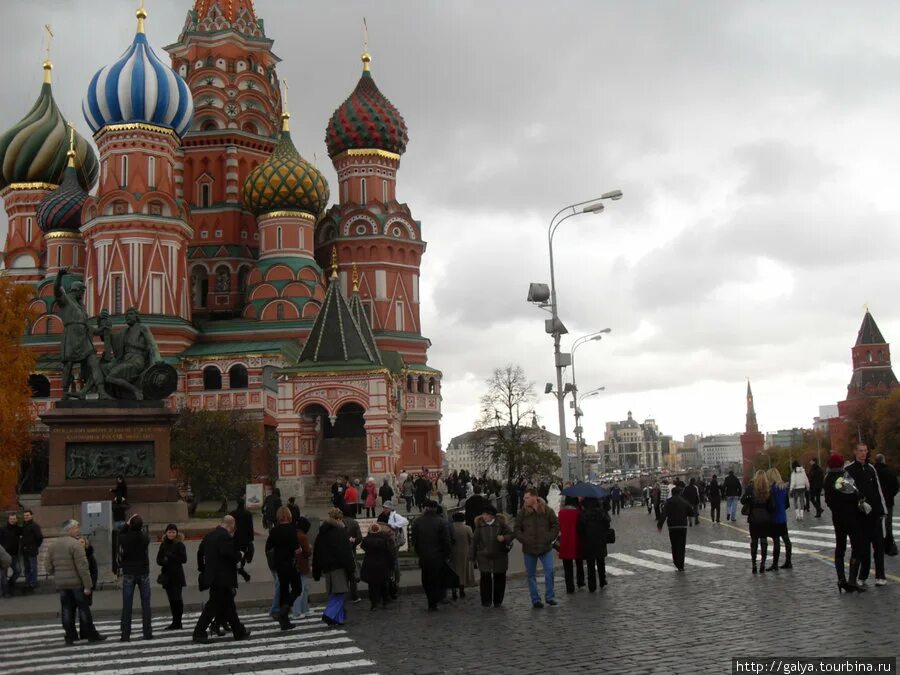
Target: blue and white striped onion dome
{"x": 140, "y": 88}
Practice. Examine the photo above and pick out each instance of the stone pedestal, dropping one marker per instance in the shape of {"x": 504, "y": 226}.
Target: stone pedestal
{"x": 93, "y": 441}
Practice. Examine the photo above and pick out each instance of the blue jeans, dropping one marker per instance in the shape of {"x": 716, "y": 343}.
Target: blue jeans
{"x": 6, "y": 585}
{"x": 30, "y": 571}
{"x": 69, "y": 600}
{"x": 301, "y": 604}
{"x": 129, "y": 581}
{"x": 531, "y": 571}
{"x": 275, "y": 598}
{"x": 731, "y": 511}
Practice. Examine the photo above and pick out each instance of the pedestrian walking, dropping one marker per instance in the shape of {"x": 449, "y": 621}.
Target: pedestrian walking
{"x": 378, "y": 564}
{"x": 134, "y": 562}
{"x": 461, "y": 554}
{"x": 714, "y": 494}
{"x": 491, "y": 542}
{"x": 871, "y": 515}
{"x": 536, "y": 528}
{"x": 171, "y": 558}
{"x": 30, "y": 543}
{"x": 68, "y": 565}
{"x": 243, "y": 536}
{"x": 779, "y": 529}
{"x": 677, "y": 513}
{"x": 430, "y": 539}
{"x": 270, "y": 507}
{"x": 888, "y": 480}
{"x": 570, "y": 544}
{"x": 799, "y": 488}
{"x": 10, "y": 540}
{"x": 219, "y": 560}
{"x": 691, "y": 494}
{"x": 281, "y": 546}
{"x": 337, "y": 492}
{"x": 594, "y": 531}
{"x": 333, "y": 560}
{"x": 615, "y": 496}
{"x": 656, "y": 498}
{"x": 731, "y": 488}
{"x": 816, "y": 483}
{"x": 354, "y": 534}
{"x": 842, "y": 499}
{"x": 386, "y": 492}
{"x": 294, "y": 509}
{"x": 351, "y": 497}
{"x": 370, "y": 498}
{"x": 757, "y": 506}
{"x": 475, "y": 507}
{"x": 407, "y": 491}
{"x": 302, "y": 560}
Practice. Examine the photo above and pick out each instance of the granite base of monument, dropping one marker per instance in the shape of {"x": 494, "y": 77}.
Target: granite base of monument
{"x": 93, "y": 441}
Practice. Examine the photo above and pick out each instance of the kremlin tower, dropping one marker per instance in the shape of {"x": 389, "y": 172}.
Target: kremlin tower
{"x": 752, "y": 440}
{"x": 208, "y": 219}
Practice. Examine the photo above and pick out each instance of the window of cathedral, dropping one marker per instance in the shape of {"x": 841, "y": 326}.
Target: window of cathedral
{"x": 40, "y": 385}
{"x": 29, "y": 224}
{"x": 223, "y": 279}
{"x": 204, "y": 234}
{"x": 363, "y": 191}
{"x": 23, "y": 261}
{"x": 237, "y": 377}
{"x": 279, "y": 311}
{"x": 123, "y": 171}
{"x": 219, "y": 234}
{"x": 421, "y": 384}
{"x": 151, "y": 172}
{"x": 431, "y": 386}
{"x": 205, "y": 195}
{"x": 117, "y": 300}
{"x": 212, "y": 378}
{"x": 384, "y": 192}
{"x": 410, "y": 383}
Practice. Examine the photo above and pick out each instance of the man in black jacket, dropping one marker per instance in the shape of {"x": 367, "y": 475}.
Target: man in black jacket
{"x": 220, "y": 561}
{"x": 135, "y": 565}
{"x": 243, "y": 536}
{"x": 732, "y": 489}
{"x": 475, "y": 506}
{"x": 30, "y": 543}
{"x": 816, "y": 483}
{"x": 10, "y": 536}
{"x": 691, "y": 494}
{"x": 677, "y": 512}
{"x": 871, "y": 522}
{"x": 431, "y": 540}
{"x": 888, "y": 480}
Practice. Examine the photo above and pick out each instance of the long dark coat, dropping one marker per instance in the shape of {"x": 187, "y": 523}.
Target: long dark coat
{"x": 593, "y": 524}
{"x": 171, "y": 557}
{"x": 378, "y": 565}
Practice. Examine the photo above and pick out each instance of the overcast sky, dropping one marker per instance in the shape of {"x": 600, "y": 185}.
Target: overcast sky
{"x": 757, "y": 145}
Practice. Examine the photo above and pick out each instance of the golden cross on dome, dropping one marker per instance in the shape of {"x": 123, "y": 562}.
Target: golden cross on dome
{"x": 366, "y": 57}
{"x": 355, "y": 279}
{"x": 71, "y": 153}
{"x": 866, "y": 307}
{"x": 334, "y": 265}
{"x": 285, "y": 115}
{"x": 141, "y": 14}
{"x": 48, "y": 65}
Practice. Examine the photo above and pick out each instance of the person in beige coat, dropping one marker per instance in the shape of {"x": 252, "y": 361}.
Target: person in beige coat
{"x": 460, "y": 556}
{"x": 68, "y": 564}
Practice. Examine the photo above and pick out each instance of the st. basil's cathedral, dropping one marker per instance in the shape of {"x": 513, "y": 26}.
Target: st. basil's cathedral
{"x": 207, "y": 219}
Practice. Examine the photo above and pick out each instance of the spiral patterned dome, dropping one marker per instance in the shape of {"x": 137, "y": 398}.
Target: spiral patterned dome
{"x": 140, "y": 88}
{"x": 366, "y": 120}
{"x": 285, "y": 182}
{"x": 60, "y": 211}
{"x": 34, "y": 150}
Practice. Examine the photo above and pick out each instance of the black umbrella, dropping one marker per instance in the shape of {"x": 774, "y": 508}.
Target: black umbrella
{"x": 585, "y": 490}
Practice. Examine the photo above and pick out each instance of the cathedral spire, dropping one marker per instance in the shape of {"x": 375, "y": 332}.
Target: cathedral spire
{"x": 751, "y": 411}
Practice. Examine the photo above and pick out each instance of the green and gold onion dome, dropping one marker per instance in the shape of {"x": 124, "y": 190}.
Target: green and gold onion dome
{"x": 34, "y": 150}
{"x": 285, "y": 181}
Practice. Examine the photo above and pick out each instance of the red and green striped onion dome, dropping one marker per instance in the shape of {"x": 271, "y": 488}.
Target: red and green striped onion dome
{"x": 60, "y": 211}
{"x": 34, "y": 150}
{"x": 367, "y": 120}
{"x": 285, "y": 182}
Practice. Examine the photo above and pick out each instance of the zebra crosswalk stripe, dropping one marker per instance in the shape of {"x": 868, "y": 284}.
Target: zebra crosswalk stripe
{"x": 716, "y": 551}
{"x": 640, "y": 562}
{"x": 618, "y": 571}
{"x": 745, "y": 545}
{"x": 687, "y": 561}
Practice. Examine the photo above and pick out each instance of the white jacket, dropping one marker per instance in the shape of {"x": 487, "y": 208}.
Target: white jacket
{"x": 799, "y": 481}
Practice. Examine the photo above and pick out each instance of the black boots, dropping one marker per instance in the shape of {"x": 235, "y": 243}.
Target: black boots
{"x": 284, "y": 618}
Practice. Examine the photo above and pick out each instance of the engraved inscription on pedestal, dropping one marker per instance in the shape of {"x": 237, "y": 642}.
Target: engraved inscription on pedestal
{"x": 98, "y": 459}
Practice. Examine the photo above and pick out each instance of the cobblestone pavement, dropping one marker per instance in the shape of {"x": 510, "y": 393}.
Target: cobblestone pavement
{"x": 650, "y": 619}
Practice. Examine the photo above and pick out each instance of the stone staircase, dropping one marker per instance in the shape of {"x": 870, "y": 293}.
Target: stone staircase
{"x": 337, "y": 457}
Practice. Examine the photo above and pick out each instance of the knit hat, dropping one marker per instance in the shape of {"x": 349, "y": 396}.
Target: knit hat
{"x": 835, "y": 461}
{"x": 171, "y": 526}
{"x": 389, "y": 505}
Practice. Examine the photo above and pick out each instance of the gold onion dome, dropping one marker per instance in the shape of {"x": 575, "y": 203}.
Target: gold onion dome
{"x": 285, "y": 182}
{"x": 34, "y": 149}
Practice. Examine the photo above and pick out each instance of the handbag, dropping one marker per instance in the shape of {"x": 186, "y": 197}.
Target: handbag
{"x": 610, "y": 536}
{"x": 745, "y": 509}
{"x": 162, "y": 579}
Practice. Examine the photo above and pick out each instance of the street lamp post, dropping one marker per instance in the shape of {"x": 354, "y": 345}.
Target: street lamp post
{"x": 579, "y": 440}
{"x": 554, "y": 326}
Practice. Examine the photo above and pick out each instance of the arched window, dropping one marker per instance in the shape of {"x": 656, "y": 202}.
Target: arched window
{"x": 869, "y": 357}
{"x": 29, "y": 229}
{"x": 223, "y": 279}
{"x": 410, "y": 383}
{"x": 431, "y": 386}
{"x": 209, "y": 125}
{"x": 384, "y": 191}
{"x": 40, "y": 385}
{"x": 212, "y": 378}
{"x": 243, "y": 275}
{"x": 421, "y": 384}
{"x": 205, "y": 195}
{"x": 237, "y": 376}
{"x": 151, "y": 172}
{"x": 362, "y": 192}
{"x": 880, "y": 355}
{"x": 279, "y": 238}
{"x": 123, "y": 176}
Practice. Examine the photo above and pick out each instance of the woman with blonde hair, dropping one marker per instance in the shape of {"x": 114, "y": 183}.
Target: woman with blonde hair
{"x": 757, "y": 507}
{"x": 280, "y": 554}
{"x": 779, "y": 529}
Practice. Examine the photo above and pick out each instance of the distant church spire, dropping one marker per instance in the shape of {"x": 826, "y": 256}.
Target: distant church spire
{"x": 752, "y": 426}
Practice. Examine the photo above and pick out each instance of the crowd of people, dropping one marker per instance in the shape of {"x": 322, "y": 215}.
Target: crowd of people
{"x": 478, "y": 537}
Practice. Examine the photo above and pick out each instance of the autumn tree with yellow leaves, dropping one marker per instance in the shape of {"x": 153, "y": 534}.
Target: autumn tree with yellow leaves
{"x": 16, "y": 364}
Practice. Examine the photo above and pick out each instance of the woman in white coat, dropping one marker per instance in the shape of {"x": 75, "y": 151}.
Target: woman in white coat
{"x": 799, "y": 486}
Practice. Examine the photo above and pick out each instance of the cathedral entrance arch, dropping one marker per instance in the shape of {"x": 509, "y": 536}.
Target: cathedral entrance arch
{"x": 349, "y": 422}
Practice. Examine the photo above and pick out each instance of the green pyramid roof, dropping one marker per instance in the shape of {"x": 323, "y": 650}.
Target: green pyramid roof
{"x": 336, "y": 337}
{"x": 362, "y": 320}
